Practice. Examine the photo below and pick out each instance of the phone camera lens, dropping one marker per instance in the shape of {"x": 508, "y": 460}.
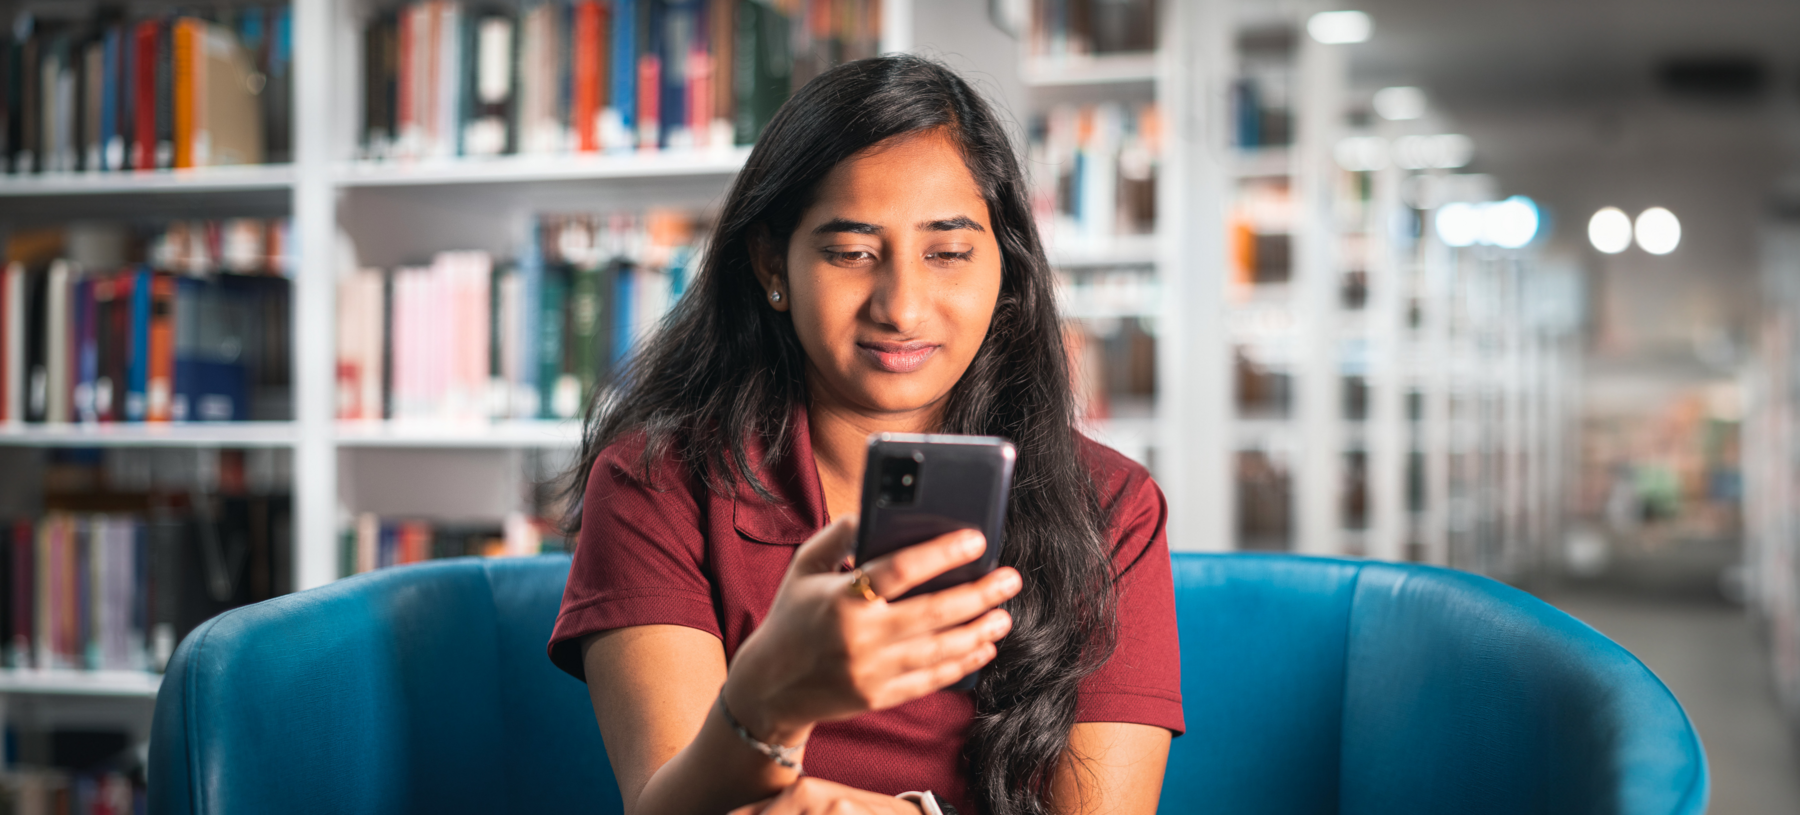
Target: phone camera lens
{"x": 899, "y": 480}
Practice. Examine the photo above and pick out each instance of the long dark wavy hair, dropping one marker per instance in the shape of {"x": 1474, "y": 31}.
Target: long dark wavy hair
{"x": 724, "y": 369}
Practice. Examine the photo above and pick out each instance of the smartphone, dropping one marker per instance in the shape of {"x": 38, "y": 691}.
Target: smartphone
{"x": 918, "y": 487}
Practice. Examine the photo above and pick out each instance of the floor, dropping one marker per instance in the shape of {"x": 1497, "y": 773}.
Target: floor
{"x": 1704, "y": 649}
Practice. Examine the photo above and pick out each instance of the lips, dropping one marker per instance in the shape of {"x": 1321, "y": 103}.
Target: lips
{"x": 898, "y": 357}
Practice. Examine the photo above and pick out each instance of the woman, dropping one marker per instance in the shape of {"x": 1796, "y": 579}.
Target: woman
{"x": 875, "y": 269}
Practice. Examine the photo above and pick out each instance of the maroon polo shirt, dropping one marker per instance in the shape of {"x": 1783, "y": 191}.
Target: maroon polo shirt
{"x": 668, "y": 551}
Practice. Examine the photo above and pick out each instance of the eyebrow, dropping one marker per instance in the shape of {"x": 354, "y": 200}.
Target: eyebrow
{"x": 847, "y": 226}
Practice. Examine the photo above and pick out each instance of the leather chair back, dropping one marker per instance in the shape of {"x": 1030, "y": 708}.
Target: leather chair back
{"x": 1310, "y": 685}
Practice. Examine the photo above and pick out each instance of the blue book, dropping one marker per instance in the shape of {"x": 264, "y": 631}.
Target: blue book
{"x": 675, "y": 39}
{"x": 624, "y": 289}
{"x": 624, "y": 66}
{"x": 137, "y": 347}
{"x": 127, "y": 81}
{"x": 212, "y": 382}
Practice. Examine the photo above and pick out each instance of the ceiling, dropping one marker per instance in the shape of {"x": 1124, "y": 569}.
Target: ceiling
{"x": 1561, "y": 99}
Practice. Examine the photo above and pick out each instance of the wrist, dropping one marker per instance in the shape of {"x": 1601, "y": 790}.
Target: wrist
{"x": 760, "y": 715}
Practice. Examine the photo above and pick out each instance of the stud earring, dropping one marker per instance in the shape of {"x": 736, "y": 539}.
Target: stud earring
{"x": 774, "y": 297}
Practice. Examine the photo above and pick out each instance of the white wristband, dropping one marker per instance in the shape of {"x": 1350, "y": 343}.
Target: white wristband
{"x": 926, "y": 802}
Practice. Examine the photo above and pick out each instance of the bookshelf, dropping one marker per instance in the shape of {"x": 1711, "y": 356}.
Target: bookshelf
{"x": 163, "y": 182}
{"x": 119, "y": 684}
{"x": 1771, "y": 459}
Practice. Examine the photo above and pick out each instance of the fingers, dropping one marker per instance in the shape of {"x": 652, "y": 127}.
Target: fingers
{"x": 914, "y": 684}
{"x": 953, "y": 605}
{"x": 826, "y": 548}
{"x": 951, "y": 646}
{"x": 753, "y": 809}
{"x": 900, "y": 572}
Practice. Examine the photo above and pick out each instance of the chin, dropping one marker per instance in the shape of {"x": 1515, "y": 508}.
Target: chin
{"x": 890, "y": 396}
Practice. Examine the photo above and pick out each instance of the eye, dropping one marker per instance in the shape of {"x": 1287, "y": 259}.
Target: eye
{"x": 950, "y": 257}
{"x": 850, "y": 257}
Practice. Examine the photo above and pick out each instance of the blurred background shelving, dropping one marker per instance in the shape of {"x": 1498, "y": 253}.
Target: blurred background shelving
{"x": 1259, "y": 295}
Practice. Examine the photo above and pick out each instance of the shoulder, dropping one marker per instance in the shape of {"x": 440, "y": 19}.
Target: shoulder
{"x": 1122, "y": 484}
{"x": 629, "y": 460}
{"x": 1136, "y": 513}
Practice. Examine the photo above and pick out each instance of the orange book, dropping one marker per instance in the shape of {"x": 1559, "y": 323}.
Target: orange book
{"x": 186, "y": 37}
{"x": 584, "y": 110}
{"x": 160, "y": 381}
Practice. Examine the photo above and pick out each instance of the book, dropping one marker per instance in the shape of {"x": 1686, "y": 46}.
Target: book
{"x": 227, "y": 126}
{"x": 12, "y": 343}
{"x": 58, "y": 338}
{"x": 159, "y": 372}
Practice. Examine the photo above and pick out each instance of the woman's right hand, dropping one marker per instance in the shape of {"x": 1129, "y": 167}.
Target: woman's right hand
{"x": 824, "y": 652}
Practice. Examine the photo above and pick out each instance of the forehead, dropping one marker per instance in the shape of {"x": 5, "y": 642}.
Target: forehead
{"x": 919, "y": 175}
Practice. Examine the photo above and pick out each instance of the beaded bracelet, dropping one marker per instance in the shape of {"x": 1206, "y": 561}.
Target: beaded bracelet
{"x": 784, "y": 756}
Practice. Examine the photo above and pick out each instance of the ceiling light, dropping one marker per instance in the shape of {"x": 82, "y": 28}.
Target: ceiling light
{"x": 1459, "y": 224}
{"x": 1658, "y": 231}
{"x": 1610, "y": 230}
{"x": 1339, "y": 27}
{"x": 1509, "y": 224}
{"x": 1399, "y": 103}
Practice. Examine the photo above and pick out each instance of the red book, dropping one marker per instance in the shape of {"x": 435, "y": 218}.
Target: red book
{"x": 117, "y": 348}
{"x": 21, "y": 591}
{"x": 585, "y": 107}
{"x": 144, "y": 145}
{"x": 649, "y": 94}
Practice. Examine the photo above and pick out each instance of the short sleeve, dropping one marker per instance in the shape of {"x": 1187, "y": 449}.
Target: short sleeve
{"x": 638, "y": 557}
{"x": 1141, "y": 683}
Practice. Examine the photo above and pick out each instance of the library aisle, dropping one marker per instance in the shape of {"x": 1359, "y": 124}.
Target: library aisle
{"x": 1708, "y": 653}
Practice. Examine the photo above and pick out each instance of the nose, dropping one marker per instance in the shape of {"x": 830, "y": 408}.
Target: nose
{"x": 902, "y": 296}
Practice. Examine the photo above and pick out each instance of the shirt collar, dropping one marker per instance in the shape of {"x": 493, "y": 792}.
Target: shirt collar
{"x": 799, "y": 508}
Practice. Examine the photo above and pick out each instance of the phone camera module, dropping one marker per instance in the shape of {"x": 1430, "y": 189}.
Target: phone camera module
{"x": 899, "y": 480}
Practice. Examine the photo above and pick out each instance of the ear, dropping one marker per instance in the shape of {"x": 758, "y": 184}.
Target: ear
{"x": 770, "y": 266}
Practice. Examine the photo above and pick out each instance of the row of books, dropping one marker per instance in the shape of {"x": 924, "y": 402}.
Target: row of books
{"x": 443, "y": 78}
{"x": 1262, "y": 96}
{"x": 1094, "y": 170}
{"x": 1111, "y": 360}
{"x": 464, "y": 339}
{"x": 1061, "y": 29}
{"x": 142, "y": 345}
{"x": 247, "y": 246}
{"x": 111, "y": 93}
{"x": 374, "y": 542}
{"x": 58, "y": 792}
{"x": 1260, "y": 228}
{"x": 117, "y": 591}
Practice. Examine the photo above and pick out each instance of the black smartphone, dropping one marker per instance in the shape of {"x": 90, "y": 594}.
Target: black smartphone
{"x": 918, "y": 487}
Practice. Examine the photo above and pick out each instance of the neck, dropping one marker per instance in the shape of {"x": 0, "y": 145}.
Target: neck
{"x": 840, "y": 439}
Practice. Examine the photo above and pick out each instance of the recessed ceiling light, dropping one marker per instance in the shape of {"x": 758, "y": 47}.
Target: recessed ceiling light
{"x": 1339, "y": 27}
{"x": 1658, "y": 231}
{"x": 1610, "y": 230}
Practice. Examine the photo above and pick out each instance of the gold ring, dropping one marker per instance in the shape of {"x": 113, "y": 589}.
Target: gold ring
{"x": 861, "y": 587}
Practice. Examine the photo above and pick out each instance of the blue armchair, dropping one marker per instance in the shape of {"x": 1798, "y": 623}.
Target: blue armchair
{"x": 1310, "y": 685}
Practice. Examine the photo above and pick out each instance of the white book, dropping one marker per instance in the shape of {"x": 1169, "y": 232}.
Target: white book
{"x": 12, "y": 344}
{"x": 449, "y": 75}
{"x": 57, "y": 346}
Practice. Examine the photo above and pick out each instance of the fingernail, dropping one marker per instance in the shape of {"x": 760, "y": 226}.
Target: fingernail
{"x": 1009, "y": 581}
{"x": 972, "y": 543}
